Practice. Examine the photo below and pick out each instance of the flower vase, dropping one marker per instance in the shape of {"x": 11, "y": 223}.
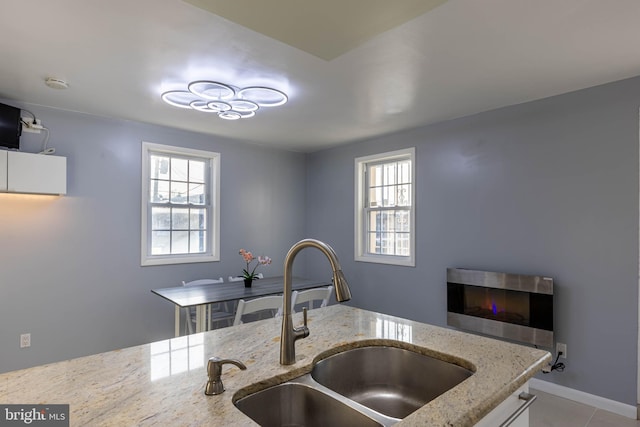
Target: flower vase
{"x": 247, "y": 283}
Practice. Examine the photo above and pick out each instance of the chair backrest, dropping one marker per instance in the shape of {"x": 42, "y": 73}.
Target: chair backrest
{"x": 202, "y": 282}
{"x": 308, "y": 296}
{"x": 272, "y": 302}
{"x": 240, "y": 278}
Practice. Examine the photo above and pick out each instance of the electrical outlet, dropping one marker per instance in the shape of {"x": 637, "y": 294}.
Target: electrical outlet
{"x": 32, "y": 125}
{"x": 561, "y": 347}
{"x": 25, "y": 340}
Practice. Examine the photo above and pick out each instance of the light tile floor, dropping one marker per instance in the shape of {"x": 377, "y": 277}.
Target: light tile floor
{"x": 552, "y": 411}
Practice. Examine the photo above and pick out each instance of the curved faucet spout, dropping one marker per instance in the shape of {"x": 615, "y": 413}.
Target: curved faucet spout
{"x": 290, "y": 334}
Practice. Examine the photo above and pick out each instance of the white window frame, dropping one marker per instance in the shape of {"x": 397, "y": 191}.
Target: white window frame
{"x": 360, "y": 243}
{"x": 213, "y": 199}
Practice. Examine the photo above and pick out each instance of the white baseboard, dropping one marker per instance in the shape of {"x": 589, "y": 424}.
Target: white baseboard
{"x": 623, "y": 409}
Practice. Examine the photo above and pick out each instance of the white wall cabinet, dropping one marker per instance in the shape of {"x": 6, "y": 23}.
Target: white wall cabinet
{"x": 503, "y": 411}
{"x": 32, "y": 173}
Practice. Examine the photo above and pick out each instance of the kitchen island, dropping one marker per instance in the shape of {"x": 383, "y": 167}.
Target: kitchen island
{"x": 162, "y": 383}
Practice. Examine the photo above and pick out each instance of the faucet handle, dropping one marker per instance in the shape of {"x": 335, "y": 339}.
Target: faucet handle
{"x": 302, "y": 331}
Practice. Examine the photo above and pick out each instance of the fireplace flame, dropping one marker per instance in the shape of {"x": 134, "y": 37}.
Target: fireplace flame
{"x": 494, "y": 308}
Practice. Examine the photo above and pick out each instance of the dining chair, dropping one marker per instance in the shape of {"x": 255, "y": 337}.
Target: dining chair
{"x": 257, "y": 305}
{"x": 309, "y": 296}
{"x": 218, "y": 312}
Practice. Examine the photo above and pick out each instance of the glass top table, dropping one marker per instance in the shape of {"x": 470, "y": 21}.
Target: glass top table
{"x": 199, "y": 296}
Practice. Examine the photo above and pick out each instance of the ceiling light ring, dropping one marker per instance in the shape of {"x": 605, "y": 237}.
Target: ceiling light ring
{"x": 208, "y": 89}
{"x": 255, "y": 92}
{"x": 202, "y": 105}
{"x": 179, "y": 98}
{"x": 243, "y": 105}
{"x": 246, "y": 114}
{"x": 219, "y": 106}
{"x": 229, "y": 115}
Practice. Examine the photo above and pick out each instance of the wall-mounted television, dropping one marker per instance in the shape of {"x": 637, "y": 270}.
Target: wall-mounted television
{"x": 10, "y": 127}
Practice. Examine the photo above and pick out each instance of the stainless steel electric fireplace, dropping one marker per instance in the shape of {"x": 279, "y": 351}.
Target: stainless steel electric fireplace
{"x": 511, "y": 306}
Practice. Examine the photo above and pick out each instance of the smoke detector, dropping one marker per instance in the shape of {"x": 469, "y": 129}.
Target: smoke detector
{"x": 55, "y": 83}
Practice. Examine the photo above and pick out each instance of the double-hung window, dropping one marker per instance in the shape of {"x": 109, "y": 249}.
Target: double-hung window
{"x": 385, "y": 208}
{"x": 180, "y": 205}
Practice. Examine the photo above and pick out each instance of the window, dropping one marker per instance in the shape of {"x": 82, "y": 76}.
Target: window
{"x": 385, "y": 208}
{"x": 180, "y": 205}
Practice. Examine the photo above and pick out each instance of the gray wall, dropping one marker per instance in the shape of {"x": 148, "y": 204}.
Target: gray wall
{"x": 70, "y": 267}
{"x": 547, "y": 188}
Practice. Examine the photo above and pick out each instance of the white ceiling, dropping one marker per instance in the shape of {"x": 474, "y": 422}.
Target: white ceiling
{"x": 460, "y": 58}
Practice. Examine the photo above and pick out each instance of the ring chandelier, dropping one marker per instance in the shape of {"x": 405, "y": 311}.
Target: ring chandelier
{"x": 227, "y": 102}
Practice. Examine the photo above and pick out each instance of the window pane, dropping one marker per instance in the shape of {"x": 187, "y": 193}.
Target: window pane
{"x": 402, "y": 244}
{"x": 373, "y": 243}
{"x": 381, "y": 243}
{"x": 389, "y": 173}
{"x": 160, "y": 218}
{"x": 389, "y": 196}
{"x": 196, "y": 194}
{"x": 160, "y": 243}
{"x": 402, "y": 221}
{"x": 404, "y": 172}
{"x": 159, "y": 191}
{"x": 180, "y": 219}
{"x": 198, "y": 242}
{"x": 179, "y": 242}
{"x": 196, "y": 171}
{"x": 198, "y": 219}
{"x": 375, "y": 175}
{"x": 389, "y": 221}
{"x": 179, "y": 169}
{"x": 179, "y": 192}
{"x": 159, "y": 166}
{"x": 404, "y": 195}
{"x": 375, "y": 197}
{"x": 386, "y": 223}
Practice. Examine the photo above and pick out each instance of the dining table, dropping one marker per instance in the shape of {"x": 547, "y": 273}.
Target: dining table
{"x": 200, "y": 296}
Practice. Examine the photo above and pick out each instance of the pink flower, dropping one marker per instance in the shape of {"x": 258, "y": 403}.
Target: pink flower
{"x": 248, "y": 258}
{"x": 264, "y": 260}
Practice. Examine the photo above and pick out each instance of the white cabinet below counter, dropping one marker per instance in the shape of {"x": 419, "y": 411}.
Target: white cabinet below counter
{"x": 510, "y": 406}
{"x": 32, "y": 173}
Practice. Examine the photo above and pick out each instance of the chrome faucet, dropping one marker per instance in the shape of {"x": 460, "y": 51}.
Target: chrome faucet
{"x": 290, "y": 334}
{"x": 214, "y": 370}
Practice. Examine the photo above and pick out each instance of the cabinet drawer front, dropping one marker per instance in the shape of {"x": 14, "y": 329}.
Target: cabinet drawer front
{"x": 503, "y": 411}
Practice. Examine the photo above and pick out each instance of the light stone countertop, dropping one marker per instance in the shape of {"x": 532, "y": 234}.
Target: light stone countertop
{"x": 162, "y": 383}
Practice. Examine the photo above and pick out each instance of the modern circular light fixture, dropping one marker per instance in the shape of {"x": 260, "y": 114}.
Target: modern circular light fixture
{"x": 215, "y": 97}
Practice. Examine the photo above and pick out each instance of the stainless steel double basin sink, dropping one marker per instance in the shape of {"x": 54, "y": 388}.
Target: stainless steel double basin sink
{"x": 374, "y": 385}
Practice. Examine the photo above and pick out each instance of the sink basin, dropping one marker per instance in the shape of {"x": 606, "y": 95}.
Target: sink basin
{"x": 390, "y": 380}
{"x": 296, "y": 404}
{"x": 373, "y": 385}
